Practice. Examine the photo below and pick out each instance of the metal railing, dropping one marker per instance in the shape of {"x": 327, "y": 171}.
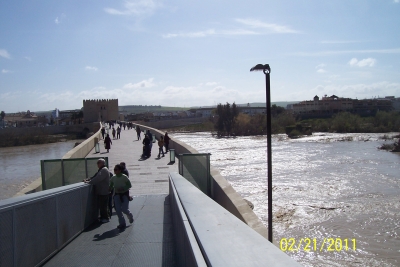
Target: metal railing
{"x": 36, "y": 226}
{"x": 60, "y": 172}
{"x": 196, "y": 169}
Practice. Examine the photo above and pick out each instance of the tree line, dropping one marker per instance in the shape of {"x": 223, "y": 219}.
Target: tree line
{"x": 228, "y": 121}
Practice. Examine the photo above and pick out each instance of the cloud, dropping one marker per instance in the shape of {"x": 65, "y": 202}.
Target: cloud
{"x": 396, "y": 1}
{"x": 211, "y": 83}
{"x": 274, "y": 28}
{"x": 359, "y": 91}
{"x": 263, "y": 28}
{"x": 137, "y": 93}
{"x": 339, "y": 52}
{"x": 143, "y": 84}
{"x": 4, "y": 53}
{"x": 210, "y": 32}
{"x": 368, "y": 62}
{"x": 90, "y": 68}
{"x": 4, "y": 71}
{"x": 28, "y": 58}
{"x": 191, "y": 34}
{"x": 138, "y": 8}
{"x": 56, "y": 97}
{"x": 339, "y": 42}
{"x": 320, "y": 68}
{"x": 60, "y": 19}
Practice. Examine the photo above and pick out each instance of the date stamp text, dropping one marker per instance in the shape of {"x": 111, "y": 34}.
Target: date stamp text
{"x": 313, "y": 244}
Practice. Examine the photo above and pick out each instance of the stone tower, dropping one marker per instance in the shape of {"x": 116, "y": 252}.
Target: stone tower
{"x": 100, "y": 110}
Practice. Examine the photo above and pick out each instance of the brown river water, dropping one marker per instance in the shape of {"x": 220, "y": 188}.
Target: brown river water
{"x": 20, "y": 166}
{"x": 336, "y": 197}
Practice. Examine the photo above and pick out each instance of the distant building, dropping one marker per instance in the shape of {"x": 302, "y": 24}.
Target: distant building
{"x": 395, "y": 102}
{"x": 329, "y": 105}
{"x": 22, "y": 119}
{"x": 204, "y": 112}
{"x": 100, "y": 110}
{"x": 252, "y": 110}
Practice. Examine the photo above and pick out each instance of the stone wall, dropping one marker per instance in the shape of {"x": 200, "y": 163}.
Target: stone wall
{"x": 100, "y": 110}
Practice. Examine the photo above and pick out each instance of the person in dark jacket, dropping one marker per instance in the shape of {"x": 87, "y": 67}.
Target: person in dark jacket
{"x": 138, "y": 131}
{"x": 107, "y": 142}
{"x": 146, "y": 147}
{"x": 124, "y": 169}
{"x": 151, "y": 139}
{"x": 166, "y": 142}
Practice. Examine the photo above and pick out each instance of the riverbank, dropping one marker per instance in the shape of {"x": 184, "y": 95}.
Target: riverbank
{"x": 285, "y": 122}
{"x": 11, "y": 137}
{"x": 20, "y": 166}
{"x": 30, "y": 139}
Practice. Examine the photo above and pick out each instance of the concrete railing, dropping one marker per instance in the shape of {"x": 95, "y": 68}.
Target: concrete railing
{"x": 36, "y": 226}
{"x": 222, "y": 192}
{"x": 85, "y": 147}
{"x": 222, "y": 238}
{"x": 187, "y": 249}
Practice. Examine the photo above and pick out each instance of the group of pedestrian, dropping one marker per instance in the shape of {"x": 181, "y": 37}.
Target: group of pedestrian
{"x": 147, "y": 140}
{"x": 112, "y": 188}
{"x": 163, "y": 141}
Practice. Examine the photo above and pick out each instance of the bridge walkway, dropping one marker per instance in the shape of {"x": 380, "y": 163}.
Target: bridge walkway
{"x": 146, "y": 242}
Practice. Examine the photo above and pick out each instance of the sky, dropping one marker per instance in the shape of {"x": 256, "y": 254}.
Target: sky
{"x": 183, "y": 53}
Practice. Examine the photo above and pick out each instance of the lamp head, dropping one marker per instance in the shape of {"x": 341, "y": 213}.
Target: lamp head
{"x": 260, "y": 67}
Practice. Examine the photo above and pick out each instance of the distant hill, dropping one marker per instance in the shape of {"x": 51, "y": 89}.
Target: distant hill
{"x": 153, "y": 108}
{"x": 142, "y": 108}
{"x": 260, "y": 104}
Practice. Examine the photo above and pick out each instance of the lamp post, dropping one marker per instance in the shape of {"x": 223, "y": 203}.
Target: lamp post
{"x": 267, "y": 70}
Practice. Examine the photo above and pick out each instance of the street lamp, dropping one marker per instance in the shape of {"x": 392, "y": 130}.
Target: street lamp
{"x": 267, "y": 70}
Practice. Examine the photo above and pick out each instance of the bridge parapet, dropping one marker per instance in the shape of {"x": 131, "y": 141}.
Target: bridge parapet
{"x": 223, "y": 239}
{"x": 36, "y": 226}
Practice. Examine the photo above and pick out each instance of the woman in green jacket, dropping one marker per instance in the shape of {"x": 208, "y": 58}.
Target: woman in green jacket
{"x": 121, "y": 183}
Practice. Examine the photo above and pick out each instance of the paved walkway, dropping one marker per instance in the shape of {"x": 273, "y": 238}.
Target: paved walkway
{"x": 146, "y": 242}
{"x": 148, "y": 176}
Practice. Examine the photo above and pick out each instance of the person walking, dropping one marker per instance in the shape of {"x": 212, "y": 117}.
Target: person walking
{"x": 160, "y": 146}
{"x": 151, "y": 139}
{"x": 138, "y": 131}
{"x": 107, "y": 143}
{"x": 124, "y": 169}
{"x": 121, "y": 184}
{"x": 146, "y": 147}
{"x": 101, "y": 181}
{"x": 103, "y": 132}
{"x": 113, "y": 132}
{"x": 166, "y": 142}
{"x": 119, "y": 132}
